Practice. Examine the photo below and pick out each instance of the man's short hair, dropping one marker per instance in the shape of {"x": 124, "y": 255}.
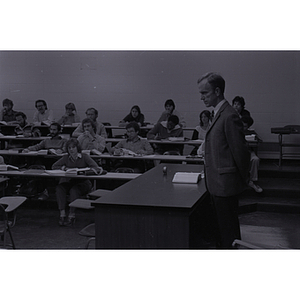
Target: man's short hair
{"x": 19, "y": 113}
{"x": 94, "y": 110}
{"x": 239, "y": 100}
{"x": 58, "y": 126}
{"x": 174, "y": 119}
{"x": 43, "y": 101}
{"x": 133, "y": 125}
{"x": 73, "y": 142}
{"x": 88, "y": 120}
{"x": 215, "y": 80}
{"x": 7, "y": 101}
{"x": 170, "y": 102}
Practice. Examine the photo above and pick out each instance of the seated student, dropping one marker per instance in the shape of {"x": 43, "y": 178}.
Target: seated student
{"x": 43, "y": 115}
{"x": 164, "y": 130}
{"x": 70, "y": 116}
{"x": 135, "y": 144}
{"x": 22, "y": 124}
{"x": 89, "y": 140}
{"x": 238, "y": 103}
{"x": 7, "y": 114}
{"x": 200, "y": 130}
{"x": 254, "y": 159}
{"x": 135, "y": 115}
{"x": 75, "y": 187}
{"x": 169, "y": 111}
{"x": 56, "y": 142}
{"x": 91, "y": 113}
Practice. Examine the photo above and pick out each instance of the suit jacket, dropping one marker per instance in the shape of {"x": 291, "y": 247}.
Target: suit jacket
{"x": 227, "y": 157}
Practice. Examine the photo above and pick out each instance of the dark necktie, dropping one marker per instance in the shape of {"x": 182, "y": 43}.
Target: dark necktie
{"x": 212, "y": 114}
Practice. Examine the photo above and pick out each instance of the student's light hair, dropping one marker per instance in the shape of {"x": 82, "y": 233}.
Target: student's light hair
{"x": 71, "y": 106}
{"x": 73, "y": 142}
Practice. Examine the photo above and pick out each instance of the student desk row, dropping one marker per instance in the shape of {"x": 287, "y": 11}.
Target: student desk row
{"x": 68, "y": 129}
{"x": 63, "y": 174}
{"x": 57, "y": 174}
{"x": 44, "y": 154}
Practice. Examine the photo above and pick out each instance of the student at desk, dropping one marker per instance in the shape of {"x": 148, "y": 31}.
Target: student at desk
{"x": 70, "y": 116}
{"x": 43, "y": 115}
{"x": 76, "y": 187}
{"x": 89, "y": 139}
{"x": 135, "y": 145}
{"x": 169, "y": 111}
{"x": 164, "y": 130}
{"x": 91, "y": 113}
{"x": 7, "y": 114}
{"x": 24, "y": 128}
{"x": 135, "y": 115}
{"x": 200, "y": 130}
{"x": 56, "y": 142}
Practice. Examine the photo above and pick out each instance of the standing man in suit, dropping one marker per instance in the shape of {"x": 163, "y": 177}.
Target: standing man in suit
{"x": 226, "y": 159}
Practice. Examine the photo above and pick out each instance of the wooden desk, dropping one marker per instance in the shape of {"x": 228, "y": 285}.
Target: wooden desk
{"x": 286, "y": 130}
{"x": 151, "y": 212}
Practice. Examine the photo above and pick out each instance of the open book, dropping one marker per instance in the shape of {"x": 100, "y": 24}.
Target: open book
{"x": 81, "y": 171}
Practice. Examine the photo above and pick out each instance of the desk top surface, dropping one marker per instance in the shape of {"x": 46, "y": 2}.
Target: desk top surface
{"x": 155, "y": 189}
{"x": 62, "y": 174}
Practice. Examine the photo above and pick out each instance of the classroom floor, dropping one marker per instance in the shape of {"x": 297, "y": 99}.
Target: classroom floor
{"x": 37, "y": 228}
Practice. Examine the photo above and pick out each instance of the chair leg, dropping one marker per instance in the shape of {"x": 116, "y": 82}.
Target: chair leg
{"x": 11, "y": 238}
{"x": 88, "y": 242}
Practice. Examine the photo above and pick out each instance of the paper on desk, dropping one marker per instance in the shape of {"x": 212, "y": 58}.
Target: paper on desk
{"x": 186, "y": 177}
{"x": 55, "y": 171}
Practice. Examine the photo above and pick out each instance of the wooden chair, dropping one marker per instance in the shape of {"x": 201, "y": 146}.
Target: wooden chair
{"x": 8, "y": 206}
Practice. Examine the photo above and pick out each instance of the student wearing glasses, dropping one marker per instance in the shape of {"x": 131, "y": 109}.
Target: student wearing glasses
{"x": 43, "y": 115}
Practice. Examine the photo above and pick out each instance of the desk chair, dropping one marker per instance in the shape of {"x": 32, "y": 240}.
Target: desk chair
{"x": 89, "y": 230}
{"x": 124, "y": 170}
{"x": 3, "y": 184}
{"x": 108, "y": 130}
{"x": 9, "y": 205}
{"x": 239, "y": 244}
{"x": 98, "y": 193}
